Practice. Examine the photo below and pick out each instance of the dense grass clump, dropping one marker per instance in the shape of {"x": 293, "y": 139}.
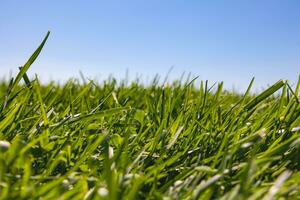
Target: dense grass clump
{"x": 117, "y": 141}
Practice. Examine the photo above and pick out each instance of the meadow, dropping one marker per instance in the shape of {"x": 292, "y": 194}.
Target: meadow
{"x": 85, "y": 140}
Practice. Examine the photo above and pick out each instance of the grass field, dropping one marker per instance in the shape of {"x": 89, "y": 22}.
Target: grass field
{"x": 118, "y": 141}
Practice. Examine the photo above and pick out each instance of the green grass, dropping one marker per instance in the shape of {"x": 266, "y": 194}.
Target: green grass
{"x": 118, "y": 141}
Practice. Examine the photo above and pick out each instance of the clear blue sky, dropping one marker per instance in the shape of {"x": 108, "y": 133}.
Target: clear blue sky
{"x": 217, "y": 40}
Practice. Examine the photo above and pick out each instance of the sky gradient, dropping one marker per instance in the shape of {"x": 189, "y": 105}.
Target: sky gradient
{"x": 229, "y": 41}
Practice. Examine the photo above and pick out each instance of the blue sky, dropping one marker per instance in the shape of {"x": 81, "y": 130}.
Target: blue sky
{"x": 217, "y": 40}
